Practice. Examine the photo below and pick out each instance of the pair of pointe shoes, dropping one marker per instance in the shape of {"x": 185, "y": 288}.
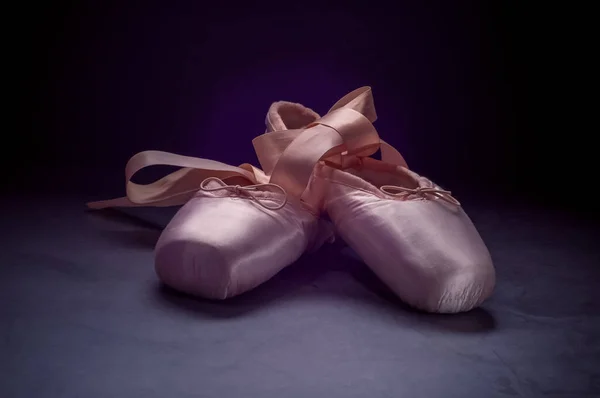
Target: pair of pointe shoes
{"x": 239, "y": 226}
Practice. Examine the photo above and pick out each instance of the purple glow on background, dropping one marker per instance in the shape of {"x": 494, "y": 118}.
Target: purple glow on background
{"x": 239, "y": 108}
{"x": 199, "y": 81}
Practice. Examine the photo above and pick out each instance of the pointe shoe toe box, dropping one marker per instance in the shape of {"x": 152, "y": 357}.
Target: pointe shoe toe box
{"x": 218, "y": 247}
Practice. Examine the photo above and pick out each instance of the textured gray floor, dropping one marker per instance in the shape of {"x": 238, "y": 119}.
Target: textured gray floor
{"x": 82, "y": 315}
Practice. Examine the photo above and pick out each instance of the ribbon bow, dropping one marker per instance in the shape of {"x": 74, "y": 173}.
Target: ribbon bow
{"x": 245, "y": 190}
{"x": 424, "y": 192}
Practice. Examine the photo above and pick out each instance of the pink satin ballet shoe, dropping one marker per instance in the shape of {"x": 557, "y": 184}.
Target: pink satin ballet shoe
{"x": 414, "y": 235}
{"x": 234, "y": 231}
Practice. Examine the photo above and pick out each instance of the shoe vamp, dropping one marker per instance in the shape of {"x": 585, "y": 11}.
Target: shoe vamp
{"x": 424, "y": 236}
{"x": 242, "y": 231}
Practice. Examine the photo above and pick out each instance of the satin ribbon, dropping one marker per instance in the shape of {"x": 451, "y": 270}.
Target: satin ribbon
{"x": 424, "y": 192}
{"x": 178, "y": 187}
{"x": 346, "y": 132}
{"x": 245, "y": 191}
{"x": 287, "y": 157}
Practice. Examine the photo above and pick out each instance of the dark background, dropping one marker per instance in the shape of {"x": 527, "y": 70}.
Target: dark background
{"x": 478, "y": 96}
{"x": 489, "y": 99}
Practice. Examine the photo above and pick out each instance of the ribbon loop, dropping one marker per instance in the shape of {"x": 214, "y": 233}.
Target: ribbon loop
{"x": 176, "y": 188}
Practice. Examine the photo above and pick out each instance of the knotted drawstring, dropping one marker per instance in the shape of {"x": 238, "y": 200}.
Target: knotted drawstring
{"x": 421, "y": 191}
{"x": 246, "y": 190}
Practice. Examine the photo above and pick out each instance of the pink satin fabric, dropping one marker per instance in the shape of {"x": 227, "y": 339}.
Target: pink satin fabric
{"x": 221, "y": 244}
